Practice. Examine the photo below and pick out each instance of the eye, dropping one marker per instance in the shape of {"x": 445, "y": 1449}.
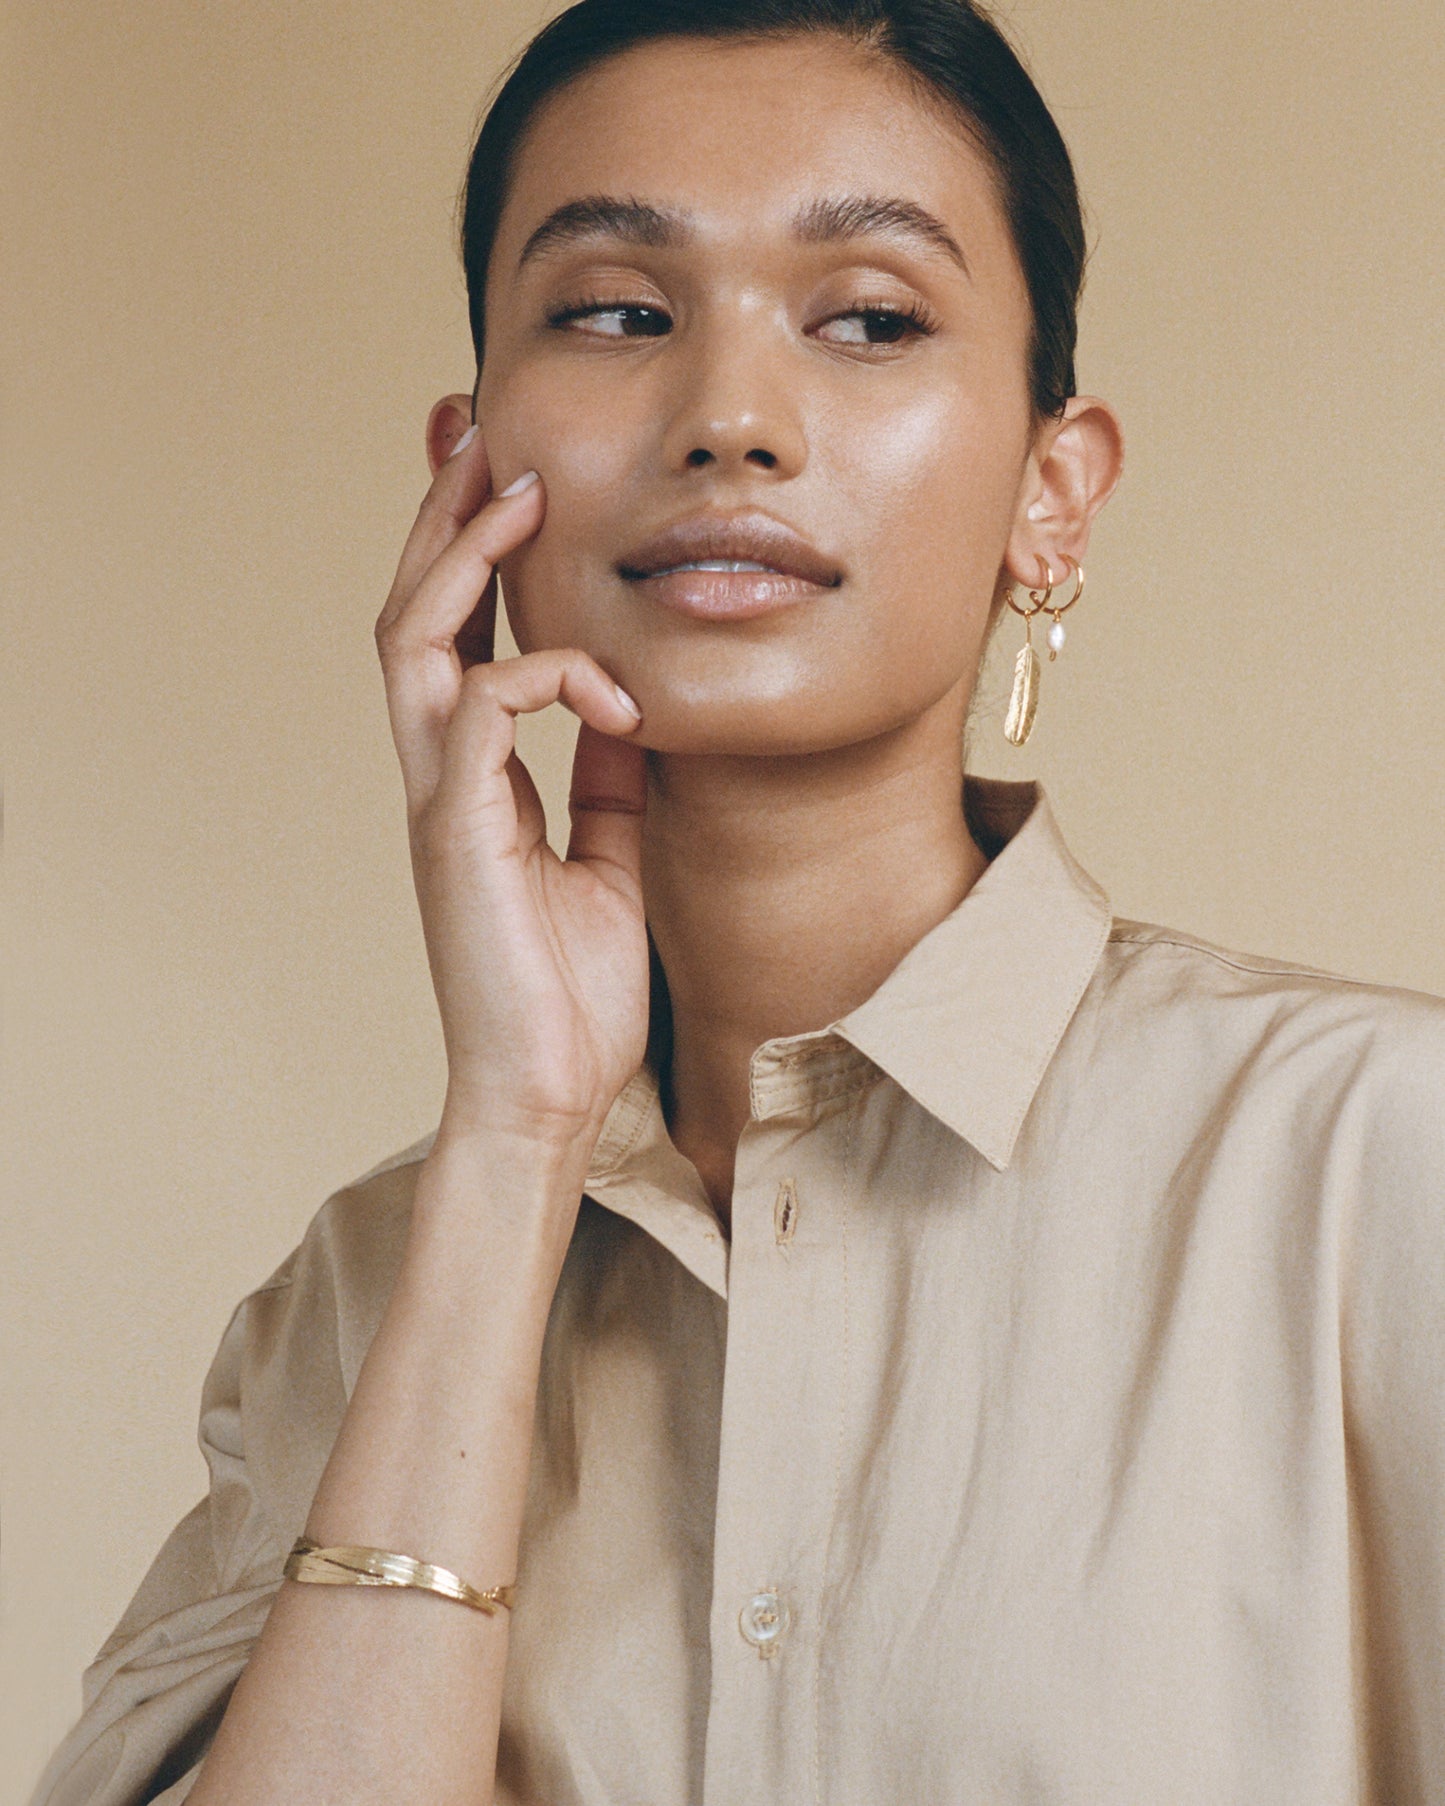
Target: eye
{"x": 593, "y": 307}
{"x": 898, "y": 323}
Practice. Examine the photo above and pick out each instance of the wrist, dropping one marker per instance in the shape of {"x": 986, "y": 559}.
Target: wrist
{"x": 548, "y": 1139}
{"x": 516, "y": 1154}
{"x": 499, "y": 1195}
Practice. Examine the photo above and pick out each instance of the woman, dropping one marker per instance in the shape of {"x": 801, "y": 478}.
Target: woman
{"x": 906, "y": 1335}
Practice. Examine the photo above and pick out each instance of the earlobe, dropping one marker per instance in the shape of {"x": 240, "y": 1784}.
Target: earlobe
{"x": 448, "y": 420}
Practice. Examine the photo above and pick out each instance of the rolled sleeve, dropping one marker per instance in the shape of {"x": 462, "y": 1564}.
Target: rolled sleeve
{"x": 155, "y": 1692}
{"x": 271, "y": 1406}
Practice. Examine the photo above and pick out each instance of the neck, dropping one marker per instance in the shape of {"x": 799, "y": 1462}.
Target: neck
{"x": 781, "y": 892}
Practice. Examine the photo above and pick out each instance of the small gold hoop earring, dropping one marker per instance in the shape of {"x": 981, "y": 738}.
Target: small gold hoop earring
{"x": 1057, "y": 635}
{"x": 1039, "y": 597}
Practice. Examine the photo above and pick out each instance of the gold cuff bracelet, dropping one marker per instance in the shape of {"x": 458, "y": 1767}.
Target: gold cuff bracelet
{"x": 347, "y": 1566}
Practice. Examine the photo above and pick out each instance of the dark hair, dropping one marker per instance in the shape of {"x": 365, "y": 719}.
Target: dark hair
{"x": 951, "y": 49}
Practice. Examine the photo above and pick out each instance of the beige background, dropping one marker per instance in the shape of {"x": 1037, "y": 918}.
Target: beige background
{"x": 233, "y": 295}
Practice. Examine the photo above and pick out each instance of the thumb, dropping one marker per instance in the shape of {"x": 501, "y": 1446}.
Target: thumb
{"x": 608, "y": 799}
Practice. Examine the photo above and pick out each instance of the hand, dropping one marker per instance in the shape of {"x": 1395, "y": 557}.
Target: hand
{"x": 540, "y": 964}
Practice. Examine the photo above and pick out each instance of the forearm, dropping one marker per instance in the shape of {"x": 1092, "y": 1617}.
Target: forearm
{"x": 391, "y": 1696}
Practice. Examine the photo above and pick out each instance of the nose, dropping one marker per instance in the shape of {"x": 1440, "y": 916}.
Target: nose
{"x": 736, "y": 405}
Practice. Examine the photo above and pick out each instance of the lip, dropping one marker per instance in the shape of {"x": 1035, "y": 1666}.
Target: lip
{"x": 752, "y": 536}
{"x": 729, "y": 595}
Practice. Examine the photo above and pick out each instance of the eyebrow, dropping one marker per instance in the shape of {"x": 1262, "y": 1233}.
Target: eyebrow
{"x": 826, "y": 221}
{"x": 856, "y": 215}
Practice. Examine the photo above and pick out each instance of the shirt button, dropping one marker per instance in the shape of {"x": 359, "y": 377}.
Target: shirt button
{"x": 764, "y": 1621}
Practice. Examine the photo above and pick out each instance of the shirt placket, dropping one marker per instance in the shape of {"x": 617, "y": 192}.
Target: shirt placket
{"x": 784, "y": 1390}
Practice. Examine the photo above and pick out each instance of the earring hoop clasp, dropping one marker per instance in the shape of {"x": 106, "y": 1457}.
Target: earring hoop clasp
{"x": 1039, "y": 598}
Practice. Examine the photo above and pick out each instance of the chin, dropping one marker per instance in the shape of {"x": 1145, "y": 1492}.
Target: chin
{"x": 728, "y": 737}
{"x": 799, "y": 725}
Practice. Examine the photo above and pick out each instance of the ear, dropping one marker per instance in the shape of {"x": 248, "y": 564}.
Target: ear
{"x": 1073, "y": 469}
{"x": 449, "y": 419}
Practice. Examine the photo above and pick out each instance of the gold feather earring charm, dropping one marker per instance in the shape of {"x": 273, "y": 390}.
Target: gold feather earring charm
{"x": 1023, "y": 704}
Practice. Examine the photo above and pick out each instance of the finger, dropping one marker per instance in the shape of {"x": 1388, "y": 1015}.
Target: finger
{"x": 461, "y": 485}
{"x": 420, "y": 660}
{"x": 483, "y": 730}
{"x": 607, "y": 803}
{"x": 527, "y": 802}
{"x": 476, "y": 640}
{"x": 445, "y": 594}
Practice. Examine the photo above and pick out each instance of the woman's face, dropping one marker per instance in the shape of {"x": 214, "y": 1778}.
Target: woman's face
{"x": 737, "y": 369}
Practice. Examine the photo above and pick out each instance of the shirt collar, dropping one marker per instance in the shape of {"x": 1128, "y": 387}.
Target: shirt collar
{"x": 969, "y": 1019}
{"x": 966, "y": 1023}
{"x": 637, "y": 1171}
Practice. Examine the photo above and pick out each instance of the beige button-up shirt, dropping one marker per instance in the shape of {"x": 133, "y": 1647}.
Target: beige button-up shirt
{"x": 1064, "y": 1423}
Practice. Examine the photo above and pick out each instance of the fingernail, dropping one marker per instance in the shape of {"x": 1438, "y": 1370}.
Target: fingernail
{"x": 462, "y": 443}
{"x": 627, "y": 701}
{"x": 525, "y": 481}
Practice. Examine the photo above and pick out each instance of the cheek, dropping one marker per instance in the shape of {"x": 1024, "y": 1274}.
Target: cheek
{"x": 538, "y": 421}
{"x": 936, "y": 483}
{"x": 940, "y": 479}
{"x": 964, "y": 452}
{"x": 534, "y": 423}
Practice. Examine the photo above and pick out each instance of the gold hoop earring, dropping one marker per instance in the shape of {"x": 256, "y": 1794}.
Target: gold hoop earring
{"x": 1023, "y": 703}
{"x": 1056, "y": 631}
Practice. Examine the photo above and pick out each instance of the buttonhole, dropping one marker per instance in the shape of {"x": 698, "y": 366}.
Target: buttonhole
{"x": 785, "y": 1212}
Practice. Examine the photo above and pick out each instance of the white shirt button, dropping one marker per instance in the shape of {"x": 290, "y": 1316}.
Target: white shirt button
{"x": 764, "y": 1621}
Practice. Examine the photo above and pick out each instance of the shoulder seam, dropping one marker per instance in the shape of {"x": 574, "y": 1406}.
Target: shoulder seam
{"x": 1260, "y": 966}
{"x": 285, "y": 1275}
